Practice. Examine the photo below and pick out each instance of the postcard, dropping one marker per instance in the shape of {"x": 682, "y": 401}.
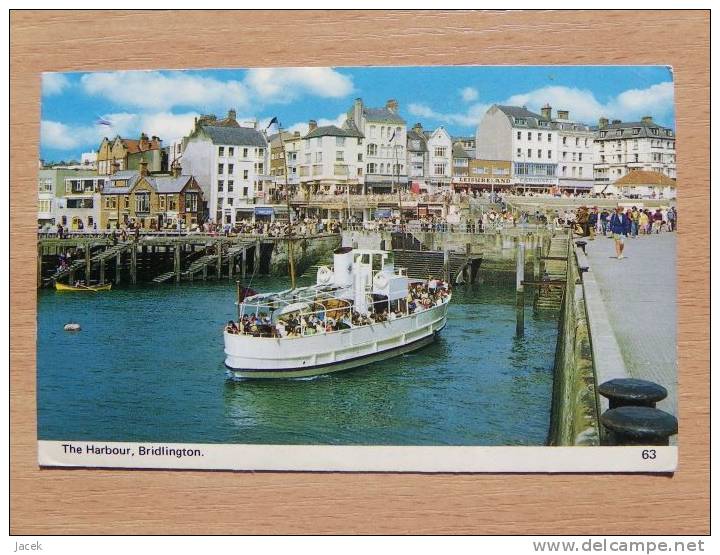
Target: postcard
{"x": 408, "y": 269}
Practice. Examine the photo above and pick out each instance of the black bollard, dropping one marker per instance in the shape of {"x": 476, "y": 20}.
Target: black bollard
{"x": 626, "y": 392}
{"x": 582, "y": 245}
{"x": 639, "y": 426}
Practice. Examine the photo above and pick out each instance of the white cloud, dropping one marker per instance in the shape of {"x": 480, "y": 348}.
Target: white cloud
{"x": 469, "y": 118}
{"x": 469, "y": 94}
{"x": 154, "y": 90}
{"x": 303, "y": 126}
{"x": 656, "y": 100}
{"x": 54, "y": 83}
{"x": 159, "y": 91}
{"x": 287, "y": 84}
{"x": 167, "y": 126}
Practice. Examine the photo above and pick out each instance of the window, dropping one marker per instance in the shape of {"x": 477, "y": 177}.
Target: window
{"x": 359, "y": 157}
{"x": 231, "y": 151}
{"x": 439, "y": 169}
{"x": 261, "y": 152}
{"x": 549, "y": 153}
{"x": 261, "y": 168}
{"x": 539, "y": 153}
{"x": 440, "y": 151}
{"x": 142, "y": 202}
{"x": 373, "y": 131}
{"x": 577, "y": 141}
{"x": 161, "y": 200}
{"x": 219, "y": 202}
{"x": 579, "y": 156}
{"x": 539, "y": 136}
{"x": 230, "y": 185}
{"x": 529, "y": 153}
{"x": 519, "y": 152}
{"x": 580, "y": 171}
{"x": 372, "y": 151}
{"x": 318, "y": 157}
{"x": 529, "y": 136}
{"x": 245, "y": 191}
{"x": 549, "y": 137}
{"x": 45, "y": 185}
{"x": 221, "y": 151}
{"x": 564, "y": 140}
{"x": 221, "y": 184}
{"x": 519, "y": 135}
{"x": 245, "y": 152}
{"x": 221, "y": 167}
{"x": 339, "y": 141}
{"x": 654, "y": 130}
{"x": 231, "y": 168}
{"x": 339, "y": 156}
{"x": 371, "y": 168}
{"x": 246, "y": 174}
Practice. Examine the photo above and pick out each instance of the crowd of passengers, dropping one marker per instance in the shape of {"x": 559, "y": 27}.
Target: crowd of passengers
{"x": 420, "y": 297}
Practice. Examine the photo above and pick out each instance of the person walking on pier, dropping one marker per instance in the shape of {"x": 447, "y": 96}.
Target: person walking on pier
{"x": 619, "y": 227}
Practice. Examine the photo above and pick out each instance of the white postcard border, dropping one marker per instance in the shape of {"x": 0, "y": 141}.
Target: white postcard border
{"x": 325, "y": 458}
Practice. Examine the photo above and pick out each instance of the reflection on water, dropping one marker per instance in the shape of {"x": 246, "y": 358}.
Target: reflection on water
{"x": 148, "y": 367}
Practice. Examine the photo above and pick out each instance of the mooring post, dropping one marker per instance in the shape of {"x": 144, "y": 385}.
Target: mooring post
{"x": 520, "y": 290}
{"x": 218, "y": 245}
{"x": 231, "y": 266}
{"x": 102, "y": 271}
{"x": 87, "y": 262}
{"x": 118, "y": 262}
{"x": 256, "y": 260}
{"x": 133, "y": 263}
{"x": 176, "y": 263}
{"x": 243, "y": 265}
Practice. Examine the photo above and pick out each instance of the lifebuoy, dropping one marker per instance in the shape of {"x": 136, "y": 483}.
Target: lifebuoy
{"x": 381, "y": 281}
{"x": 324, "y": 275}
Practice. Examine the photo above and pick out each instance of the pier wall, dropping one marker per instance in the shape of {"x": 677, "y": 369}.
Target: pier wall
{"x": 498, "y": 249}
{"x": 574, "y": 417}
{"x": 306, "y": 252}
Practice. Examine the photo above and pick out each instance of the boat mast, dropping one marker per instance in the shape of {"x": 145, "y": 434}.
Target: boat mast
{"x": 291, "y": 259}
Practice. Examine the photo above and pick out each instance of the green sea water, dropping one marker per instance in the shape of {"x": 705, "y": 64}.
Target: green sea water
{"x": 148, "y": 366}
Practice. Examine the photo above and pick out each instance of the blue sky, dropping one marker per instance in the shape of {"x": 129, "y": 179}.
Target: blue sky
{"x": 164, "y": 103}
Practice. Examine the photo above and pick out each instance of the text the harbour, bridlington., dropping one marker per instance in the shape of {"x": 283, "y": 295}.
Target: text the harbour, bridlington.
{"x": 141, "y": 451}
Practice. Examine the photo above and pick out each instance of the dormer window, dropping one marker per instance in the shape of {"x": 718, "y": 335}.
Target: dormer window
{"x": 520, "y": 121}
{"x": 654, "y": 130}
{"x": 636, "y": 130}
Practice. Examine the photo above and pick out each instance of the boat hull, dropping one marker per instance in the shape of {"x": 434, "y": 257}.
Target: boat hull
{"x": 72, "y": 288}
{"x": 252, "y": 357}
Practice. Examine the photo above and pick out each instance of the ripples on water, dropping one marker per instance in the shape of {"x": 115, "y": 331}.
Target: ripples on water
{"x": 148, "y": 366}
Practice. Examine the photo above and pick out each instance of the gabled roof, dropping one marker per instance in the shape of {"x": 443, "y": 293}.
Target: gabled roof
{"x": 382, "y": 114}
{"x": 350, "y": 127}
{"x": 624, "y": 130}
{"x": 331, "y": 131}
{"x": 647, "y": 178}
{"x": 459, "y": 152}
{"x": 170, "y": 184}
{"x": 161, "y": 183}
{"x": 413, "y": 135}
{"x": 243, "y": 136}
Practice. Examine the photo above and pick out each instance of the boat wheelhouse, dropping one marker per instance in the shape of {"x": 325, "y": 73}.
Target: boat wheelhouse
{"x": 361, "y": 311}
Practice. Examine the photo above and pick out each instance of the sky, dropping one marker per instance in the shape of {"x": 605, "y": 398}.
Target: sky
{"x": 164, "y": 103}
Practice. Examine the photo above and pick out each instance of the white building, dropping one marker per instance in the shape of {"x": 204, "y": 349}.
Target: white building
{"x": 417, "y": 154}
{"x": 231, "y": 164}
{"x": 385, "y": 135}
{"x": 526, "y": 139}
{"x": 440, "y": 150}
{"x": 88, "y": 160}
{"x": 331, "y": 159}
{"x": 621, "y": 147}
{"x": 575, "y": 152}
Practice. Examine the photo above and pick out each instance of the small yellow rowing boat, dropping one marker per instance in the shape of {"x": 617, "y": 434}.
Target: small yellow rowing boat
{"x": 64, "y": 287}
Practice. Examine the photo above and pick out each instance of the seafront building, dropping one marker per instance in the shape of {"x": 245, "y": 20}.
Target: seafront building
{"x": 231, "y": 162}
{"x": 440, "y": 154}
{"x": 127, "y": 154}
{"x": 385, "y": 133}
{"x": 621, "y": 147}
{"x": 152, "y": 201}
{"x": 68, "y": 196}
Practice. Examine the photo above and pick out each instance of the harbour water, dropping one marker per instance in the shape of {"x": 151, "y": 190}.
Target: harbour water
{"x": 148, "y": 366}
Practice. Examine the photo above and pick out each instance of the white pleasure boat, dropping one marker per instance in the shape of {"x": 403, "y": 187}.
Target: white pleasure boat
{"x": 363, "y": 310}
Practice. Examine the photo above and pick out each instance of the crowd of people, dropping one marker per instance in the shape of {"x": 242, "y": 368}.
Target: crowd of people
{"x": 421, "y": 296}
{"x": 636, "y": 221}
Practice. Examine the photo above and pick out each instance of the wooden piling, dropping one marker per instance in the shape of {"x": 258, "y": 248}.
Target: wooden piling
{"x": 118, "y": 262}
{"x": 102, "y": 272}
{"x": 520, "y": 290}
{"x": 176, "y": 263}
{"x": 243, "y": 266}
{"x": 133, "y": 264}
{"x": 256, "y": 259}
{"x": 87, "y": 262}
{"x": 218, "y": 271}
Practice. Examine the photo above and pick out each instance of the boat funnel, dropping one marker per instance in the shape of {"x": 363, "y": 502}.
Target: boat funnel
{"x": 343, "y": 267}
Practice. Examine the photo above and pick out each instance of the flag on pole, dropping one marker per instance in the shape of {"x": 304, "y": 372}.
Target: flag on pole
{"x": 393, "y": 137}
{"x": 275, "y": 121}
{"x": 102, "y": 121}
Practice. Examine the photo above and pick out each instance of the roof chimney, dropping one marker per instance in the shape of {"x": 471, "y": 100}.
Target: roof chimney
{"x": 646, "y": 120}
{"x": 602, "y": 123}
{"x": 357, "y": 110}
{"x": 563, "y": 114}
{"x": 312, "y": 125}
{"x": 232, "y": 114}
{"x": 392, "y": 105}
{"x": 176, "y": 169}
{"x": 144, "y": 144}
{"x": 546, "y": 112}
{"x": 143, "y": 167}
{"x": 418, "y": 127}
